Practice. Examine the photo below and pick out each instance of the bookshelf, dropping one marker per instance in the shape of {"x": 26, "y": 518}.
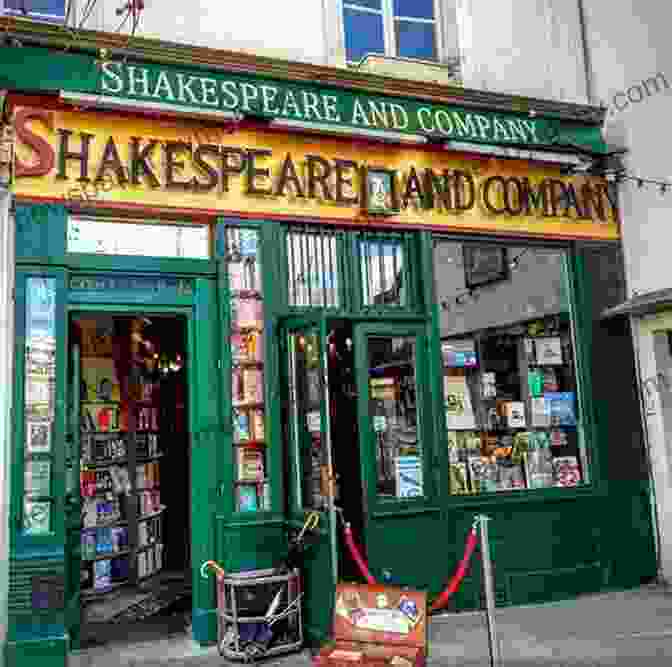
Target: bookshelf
{"x": 251, "y": 486}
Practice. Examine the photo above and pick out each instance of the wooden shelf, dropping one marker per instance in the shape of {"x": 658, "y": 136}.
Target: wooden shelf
{"x": 251, "y": 443}
{"x": 142, "y": 459}
{"x": 110, "y": 556}
{"x": 239, "y": 330}
{"x": 248, "y": 406}
{"x": 109, "y": 524}
{"x": 248, "y": 482}
{"x": 153, "y": 515}
{"x": 247, "y": 364}
{"x": 89, "y": 593}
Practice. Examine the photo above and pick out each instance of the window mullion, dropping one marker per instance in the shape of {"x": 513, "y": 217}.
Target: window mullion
{"x": 388, "y": 24}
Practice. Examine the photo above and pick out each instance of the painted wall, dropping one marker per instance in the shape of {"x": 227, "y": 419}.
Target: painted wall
{"x": 293, "y": 30}
{"x": 526, "y": 47}
{"x": 630, "y": 45}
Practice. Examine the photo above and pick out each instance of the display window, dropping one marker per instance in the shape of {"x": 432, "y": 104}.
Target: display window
{"x": 510, "y": 393}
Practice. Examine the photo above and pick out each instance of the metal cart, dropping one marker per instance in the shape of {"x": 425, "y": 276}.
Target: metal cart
{"x": 258, "y": 612}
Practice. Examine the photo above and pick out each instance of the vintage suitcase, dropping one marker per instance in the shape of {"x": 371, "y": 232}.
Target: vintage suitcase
{"x": 376, "y": 626}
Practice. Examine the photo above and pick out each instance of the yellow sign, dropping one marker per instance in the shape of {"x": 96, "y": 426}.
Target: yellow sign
{"x": 157, "y": 165}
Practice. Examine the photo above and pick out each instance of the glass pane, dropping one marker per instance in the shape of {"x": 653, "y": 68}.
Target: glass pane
{"x": 415, "y": 40}
{"x": 370, "y": 4}
{"x": 116, "y": 238}
{"x": 252, "y": 486}
{"x": 509, "y": 382}
{"x": 39, "y": 401}
{"x": 312, "y": 269}
{"x": 394, "y": 416}
{"x": 382, "y": 267}
{"x": 363, "y": 33}
{"x": 306, "y": 401}
{"x": 418, "y": 9}
{"x": 49, "y": 7}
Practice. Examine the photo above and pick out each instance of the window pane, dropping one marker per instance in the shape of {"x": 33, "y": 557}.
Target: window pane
{"x": 40, "y": 403}
{"x": 382, "y": 267}
{"x": 115, "y": 238}
{"x": 393, "y": 414}
{"x": 50, "y": 7}
{"x": 418, "y": 9}
{"x": 415, "y": 40}
{"x": 363, "y": 33}
{"x": 510, "y": 393}
{"x": 371, "y": 4}
{"x": 312, "y": 269}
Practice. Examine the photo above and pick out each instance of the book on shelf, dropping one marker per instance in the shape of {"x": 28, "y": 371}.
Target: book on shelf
{"x": 250, "y": 464}
{"x": 258, "y": 430}
{"x": 566, "y": 471}
{"x": 247, "y": 499}
{"x": 102, "y": 574}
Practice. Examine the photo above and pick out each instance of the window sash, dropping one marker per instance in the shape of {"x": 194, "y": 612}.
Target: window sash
{"x": 390, "y": 20}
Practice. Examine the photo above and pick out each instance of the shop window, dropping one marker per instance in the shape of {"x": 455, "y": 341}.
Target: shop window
{"x": 406, "y": 28}
{"x": 312, "y": 263}
{"x": 251, "y": 483}
{"x": 40, "y": 403}
{"x": 510, "y": 394}
{"x": 40, "y": 9}
{"x": 106, "y": 237}
{"x": 382, "y": 269}
{"x": 393, "y": 411}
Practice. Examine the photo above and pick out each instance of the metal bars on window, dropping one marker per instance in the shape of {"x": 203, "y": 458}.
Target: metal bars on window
{"x": 313, "y": 268}
{"x": 384, "y": 270}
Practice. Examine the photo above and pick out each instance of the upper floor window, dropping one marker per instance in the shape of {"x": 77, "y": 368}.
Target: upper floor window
{"x": 39, "y": 9}
{"x": 406, "y": 28}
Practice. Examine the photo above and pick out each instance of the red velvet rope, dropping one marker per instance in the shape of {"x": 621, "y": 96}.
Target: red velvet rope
{"x": 460, "y": 572}
{"x": 357, "y": 557}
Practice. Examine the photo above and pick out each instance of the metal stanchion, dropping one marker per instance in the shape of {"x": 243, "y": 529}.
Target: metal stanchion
{"x": 489, "y": 584}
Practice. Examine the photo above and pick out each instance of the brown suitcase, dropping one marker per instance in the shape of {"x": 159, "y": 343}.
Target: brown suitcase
{"x": 376, "y": 626}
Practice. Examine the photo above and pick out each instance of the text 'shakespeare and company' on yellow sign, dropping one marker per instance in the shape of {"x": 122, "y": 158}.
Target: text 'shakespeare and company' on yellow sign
{"x": 103, "y": 158}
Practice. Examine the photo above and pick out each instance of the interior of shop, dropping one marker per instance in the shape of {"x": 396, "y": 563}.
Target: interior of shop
{"x": 135, "y": 571}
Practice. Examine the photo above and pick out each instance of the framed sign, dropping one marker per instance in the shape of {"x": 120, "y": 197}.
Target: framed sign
{"x": 380, "y": 192}
{"x": 484, "y": 264}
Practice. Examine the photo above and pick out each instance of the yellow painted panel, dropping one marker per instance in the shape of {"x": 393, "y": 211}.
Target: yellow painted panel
{"x": 237, "y": 201}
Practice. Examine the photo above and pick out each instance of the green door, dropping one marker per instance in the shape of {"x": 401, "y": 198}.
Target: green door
{"x": 398, "y": 455}
{"x": 310, "y": 464}
{"x": 73, "y": 502}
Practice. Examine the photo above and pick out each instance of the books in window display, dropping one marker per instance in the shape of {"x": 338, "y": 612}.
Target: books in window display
{"x": 566, "y": 471}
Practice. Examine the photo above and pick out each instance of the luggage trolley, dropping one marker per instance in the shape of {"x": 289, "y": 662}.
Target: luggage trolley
{"x": 258, "y": 612}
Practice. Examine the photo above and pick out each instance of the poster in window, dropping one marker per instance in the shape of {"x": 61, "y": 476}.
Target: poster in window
{"x": 36, "y": 517}
{"x": 38, "y": 436}
{"x": 37, "y": 478}
{"x": 408, "y": 476}
{"x": 484, "y": 264}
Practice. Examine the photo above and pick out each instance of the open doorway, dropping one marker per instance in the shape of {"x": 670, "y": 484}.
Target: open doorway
{"x": 129, "y": 407}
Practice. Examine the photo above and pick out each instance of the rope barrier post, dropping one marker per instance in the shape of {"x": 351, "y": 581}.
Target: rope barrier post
{"x": 489, "y": 584}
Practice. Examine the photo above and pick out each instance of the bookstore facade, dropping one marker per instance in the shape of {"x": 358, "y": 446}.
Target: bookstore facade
{"x": 223, "y": 326}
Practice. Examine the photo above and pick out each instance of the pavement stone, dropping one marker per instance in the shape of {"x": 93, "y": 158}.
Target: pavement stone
{"x": 626, "y": 628}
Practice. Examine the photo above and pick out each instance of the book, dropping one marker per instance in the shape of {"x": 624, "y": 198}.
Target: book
{"x": 459, "y": 410}
{"x": 549, "y": 351}
{"x": 247, "y": 498}
{"x": 250, "y": 464}
{"x": 408, "y": 476}
{"x": 540, "y": 412}
{"x": 566, "y": 471}
{"x": 102, "y": 574}
{"x": 459, "y": 484}
{"x": 561, "y": 408}
{"x": 515, "y": 414}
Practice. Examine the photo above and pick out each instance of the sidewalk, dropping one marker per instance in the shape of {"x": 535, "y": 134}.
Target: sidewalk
{"x": 624, "y": 628}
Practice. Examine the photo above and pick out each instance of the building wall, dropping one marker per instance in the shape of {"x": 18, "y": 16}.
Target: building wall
{"x": 525, "y": 47}
{"x": 629, "y": 46}
{"x": 293, "y": 30}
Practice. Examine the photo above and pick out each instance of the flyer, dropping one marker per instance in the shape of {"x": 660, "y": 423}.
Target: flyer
{"x": 549, "y": 351}
{"x": 408, "y": 476}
